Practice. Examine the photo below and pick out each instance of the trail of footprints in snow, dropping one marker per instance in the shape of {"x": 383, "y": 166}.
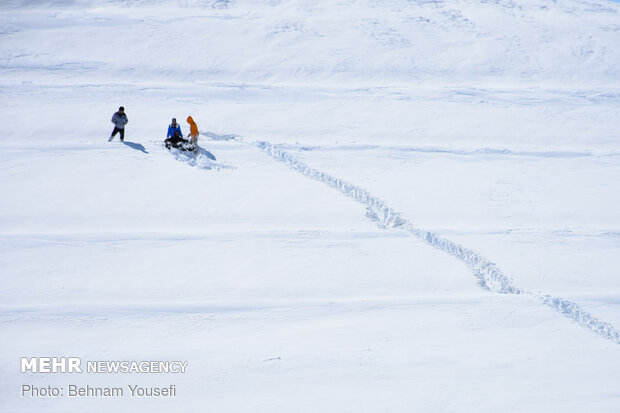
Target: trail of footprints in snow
{"x": 490, "y": 277}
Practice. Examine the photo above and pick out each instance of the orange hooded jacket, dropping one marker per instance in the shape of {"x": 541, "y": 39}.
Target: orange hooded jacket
{"x": 193, "y": 128}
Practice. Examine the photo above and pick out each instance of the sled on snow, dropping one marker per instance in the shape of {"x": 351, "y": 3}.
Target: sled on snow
{"x": 180, "y": 143}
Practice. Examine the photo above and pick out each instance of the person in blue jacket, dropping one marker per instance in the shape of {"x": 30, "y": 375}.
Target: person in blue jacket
{"x": 174, "y": 126}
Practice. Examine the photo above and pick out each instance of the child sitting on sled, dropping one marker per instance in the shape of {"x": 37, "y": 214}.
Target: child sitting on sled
{"x": 176, "y": 141}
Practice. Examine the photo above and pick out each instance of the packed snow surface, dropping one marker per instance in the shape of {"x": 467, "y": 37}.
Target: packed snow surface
{"x": 396, "y": 206}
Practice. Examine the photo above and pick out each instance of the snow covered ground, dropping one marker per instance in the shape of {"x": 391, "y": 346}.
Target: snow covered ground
{"x": 398, "y": 206}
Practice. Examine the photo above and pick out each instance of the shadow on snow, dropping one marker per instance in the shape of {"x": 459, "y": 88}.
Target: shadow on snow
{"x": 201, "y": 158}
{"x": 136, "y": 146}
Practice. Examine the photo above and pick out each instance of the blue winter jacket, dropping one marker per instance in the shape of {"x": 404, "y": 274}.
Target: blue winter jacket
{"x": 171, "y": 130}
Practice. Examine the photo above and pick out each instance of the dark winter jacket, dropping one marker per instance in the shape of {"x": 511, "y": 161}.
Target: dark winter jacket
{"x": 171, "y": 130}
{"x": 119, "y": 120}
{"x": 178, "y": 142}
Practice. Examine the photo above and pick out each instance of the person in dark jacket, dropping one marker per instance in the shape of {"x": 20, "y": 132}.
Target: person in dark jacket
{"x": 174, "y": 126}
{"x": 178, "y": 142}
{"x": 119, "y": 119}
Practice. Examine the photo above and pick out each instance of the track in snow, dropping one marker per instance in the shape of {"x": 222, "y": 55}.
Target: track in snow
{"x": 489, "y": 276}
{"x": 450, "y": 151}
{"x": 202, "y": 158}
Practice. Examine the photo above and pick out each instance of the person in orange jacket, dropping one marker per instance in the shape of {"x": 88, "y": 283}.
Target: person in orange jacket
{"x": 193, "y": 130}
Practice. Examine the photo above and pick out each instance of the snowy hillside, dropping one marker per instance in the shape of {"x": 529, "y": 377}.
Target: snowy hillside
{"x": 397, "y": 205}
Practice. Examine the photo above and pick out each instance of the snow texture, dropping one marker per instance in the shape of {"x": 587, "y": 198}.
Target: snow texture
{"x": 488, "y": 130}
{"x": 201, "y": 158}
{"x": 489, "y": 275}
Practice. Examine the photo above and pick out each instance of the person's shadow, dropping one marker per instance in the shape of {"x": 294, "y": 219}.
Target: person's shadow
{"x": 136, "y": 146}
{"x": 209, "y": 154}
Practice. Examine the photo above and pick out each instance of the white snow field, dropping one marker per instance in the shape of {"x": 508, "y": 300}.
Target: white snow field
{"x": 398, "y": 205}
